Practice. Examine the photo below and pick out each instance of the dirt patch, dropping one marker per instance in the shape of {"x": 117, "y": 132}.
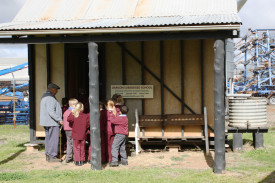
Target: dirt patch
{"x": 164, "y": 159}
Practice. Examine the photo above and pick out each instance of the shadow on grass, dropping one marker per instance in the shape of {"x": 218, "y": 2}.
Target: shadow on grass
{"x": 209, "y": 159}
{"x": 11, "y": 157}
{"x": 14, "y": 155}
{"x": 269, "y": 179}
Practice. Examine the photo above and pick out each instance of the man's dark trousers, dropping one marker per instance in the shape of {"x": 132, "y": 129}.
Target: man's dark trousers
{"x": 51, "y": 140}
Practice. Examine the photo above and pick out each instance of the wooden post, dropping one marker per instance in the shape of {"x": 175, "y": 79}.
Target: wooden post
{"x": 94, "y": 107}
{"x": 219, "y": 118}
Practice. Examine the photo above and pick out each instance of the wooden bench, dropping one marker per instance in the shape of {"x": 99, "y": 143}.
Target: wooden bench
{"x": 144, "y": 122}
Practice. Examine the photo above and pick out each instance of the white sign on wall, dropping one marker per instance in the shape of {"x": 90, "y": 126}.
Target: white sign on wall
{"x": 133, "y": 91}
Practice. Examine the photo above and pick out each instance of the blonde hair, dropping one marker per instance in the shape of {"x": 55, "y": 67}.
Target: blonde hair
{"x": 72, "y": 102}
{"x": 110, "y": 103}
{"x": 78, "y": 108}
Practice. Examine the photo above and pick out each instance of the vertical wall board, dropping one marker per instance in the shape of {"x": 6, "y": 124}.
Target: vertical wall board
{"x": 152, "y": 61}
{"x": 209, "y": 80}
{"x": 133, "y": 77}
{"x": 171, "y": 131}
{"x": 153, "y": 132}
{"x": 192, "y": 130}
{"x": 172, "y": 76}
{"x": 57, "y": 69}
{"x": 40, "y": 83}
{"x": 192, "y": 76}
{"x": 113, "y": 67}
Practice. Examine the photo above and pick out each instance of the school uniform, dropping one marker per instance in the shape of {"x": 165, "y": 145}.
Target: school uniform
{"x": 80, "y": 126}
{"x": 103, "y": 136}
{"x": 110, "y": 134}
{"x": 68, "y": 131}
{"x": 121, "y": 131}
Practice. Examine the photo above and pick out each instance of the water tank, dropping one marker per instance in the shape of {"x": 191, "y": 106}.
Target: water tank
{"x": 247, "y": 112}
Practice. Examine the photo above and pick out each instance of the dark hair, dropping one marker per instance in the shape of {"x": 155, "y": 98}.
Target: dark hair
{"x": 114, "y": 97}
{"x": 124, "y": 109}
{"x": 65, "y": 101}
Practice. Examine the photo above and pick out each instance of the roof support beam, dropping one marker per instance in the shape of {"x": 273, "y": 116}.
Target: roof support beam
{"x": 121, "y": 37}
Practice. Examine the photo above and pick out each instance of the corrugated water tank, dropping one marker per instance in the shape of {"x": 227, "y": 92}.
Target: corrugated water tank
{"x": 247, "y": 112}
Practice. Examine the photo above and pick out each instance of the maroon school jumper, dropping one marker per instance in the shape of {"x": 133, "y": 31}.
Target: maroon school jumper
{"x": 103, "y": 136}
{"x": 80, "y": 126}
{"x": 120, "y": 128}
{"x": 120, "y": 124}
{"x": 110, "y": 134}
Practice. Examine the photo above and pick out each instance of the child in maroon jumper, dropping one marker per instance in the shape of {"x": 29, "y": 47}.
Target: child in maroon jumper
{"x": 111, "y": 113}
{"x": 103, "y": 134}
{"x": 68, "y": 130}
{"x": 80, "y": 124}
{"x": 121, "y": 131}
{"x": 118, "y": 100}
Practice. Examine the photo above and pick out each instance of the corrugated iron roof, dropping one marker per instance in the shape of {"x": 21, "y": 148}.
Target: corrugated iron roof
{"x": 123, "y": 22}
{"x": 91, "y": 14}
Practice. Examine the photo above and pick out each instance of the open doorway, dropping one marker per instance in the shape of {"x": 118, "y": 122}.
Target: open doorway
{"x": 78, "y": 71}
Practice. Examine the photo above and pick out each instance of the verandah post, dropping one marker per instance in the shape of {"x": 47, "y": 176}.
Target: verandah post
{"x": 94, "y": 107}
{"x": 219, "y": 118}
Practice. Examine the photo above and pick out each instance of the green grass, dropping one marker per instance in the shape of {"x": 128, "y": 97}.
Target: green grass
{"x": 151, "y": 175}
{"x": 177, "y": 158}
{"x": 251, "y": 166}
{"x": 160, "y": 157}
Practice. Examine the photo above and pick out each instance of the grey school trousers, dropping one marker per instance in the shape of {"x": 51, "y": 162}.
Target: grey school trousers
{"x": 51, "y": 140}
{"x": 118, "y": 146}
{"x": 69, "y": 150}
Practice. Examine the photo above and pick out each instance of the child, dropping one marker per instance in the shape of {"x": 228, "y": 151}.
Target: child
{"x": 121, "y": 130}
{"x": 111, "y": 113}
{"x": 68, "y": 129}
{"x": 65, "y": 104}
{"x": 80, "y": 124}
{"x": 103, "y": 133}
{"x": 118, "y": 100}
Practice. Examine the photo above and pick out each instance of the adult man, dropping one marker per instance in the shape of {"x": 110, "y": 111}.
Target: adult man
{"x": 51, "y": 118}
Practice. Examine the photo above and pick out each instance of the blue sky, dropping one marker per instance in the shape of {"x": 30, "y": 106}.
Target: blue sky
{"x": 255, "y": 14}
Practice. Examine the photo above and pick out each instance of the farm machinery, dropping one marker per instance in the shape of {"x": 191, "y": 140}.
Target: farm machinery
{"x": 256, "y": 60}
{"x": 14, "y": 104}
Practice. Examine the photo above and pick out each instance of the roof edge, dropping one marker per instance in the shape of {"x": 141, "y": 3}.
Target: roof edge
{"x": 121, "y": 30}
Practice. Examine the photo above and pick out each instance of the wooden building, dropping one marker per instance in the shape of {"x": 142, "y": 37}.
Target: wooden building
{"x": 167, "y": 44}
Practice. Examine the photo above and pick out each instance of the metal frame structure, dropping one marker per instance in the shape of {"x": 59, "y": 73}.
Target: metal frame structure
{"x": 257, "y": 55}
